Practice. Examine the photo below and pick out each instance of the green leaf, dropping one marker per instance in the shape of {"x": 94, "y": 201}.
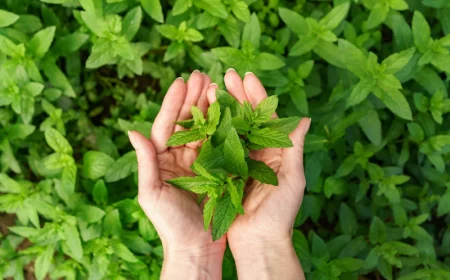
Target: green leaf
{"x": 221, "y": 133}
{"x": 377, "y": 15}
{"x": 347, "y": 220}
{"x": 100, "y": 192}
{"x": 354, "y": 59}
{"x": 124, "y": 253}
{"x": 266, "y": 108}
{"x": 284, "y": 125}
{"x": 334, "y": 186}
{"x": 186, "y": 123}
{"x": 199, "y": 119}
{"x": 294, "y": 21}
{"x": 131, "y": 23}
{"x": 181, "y": 6}
{"x": 57, "y": 142}
{"x": 73, "y": 241}
{"x": 304, "y": 45}
{"x": 214, "y": 7}
{"x": 335, "y": 16}
{"x": 261, "y": 172}
{"x": 90, "y": 214}
{"x": 346, "y": 166}
{"x": 96, "y": 164}
{"x": 396, "y": 102}
{"x": 370, "y": 124}
{"x": 234, "y": 154}
{"x": 271, "y": 138}
{"x": 347, "y": 264}
{"x": 96, "y": 25}
{"x": 41, "y": 41}
{"x": 70, "y": 43}
{"x": 168, "y": 31}
{"x": 188, "y": 183}
{"x": 43, "y": 262}
{"x": 208, "y": 211}
{"x": 68, "y": 178}
{"x": 122, "y": 168}
{"x": 7, "y": 18}
{"x": 193, "y": 35}
{"x": 361, "y": 91}
{"x": 213, "y": 118}
{"x": 421, "y": 32}
{"x": 175, "y": 49}
{"x": 223, "y": 217}
{"x": 236, "y": 199}
{"x": 252, "y": 32}
{"x": 183, "y": 137}
{"x": 377, "y": 234}
{"x": 154, "y": 9}
{"x": 267, "y": 61}
{"x": 240, "y": 10}
{"x": 397, "y": 61}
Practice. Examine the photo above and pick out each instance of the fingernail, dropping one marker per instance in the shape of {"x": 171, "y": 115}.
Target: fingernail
{"x": 308, "y": 125}
{"x": 180, "y": 78}
{"x": 213, "y": 85}
{"x": 196, "y": 71}
{"x": 231, "y": 69}
{"x": 248, "y": 73}
{"x": 132, "y": 139}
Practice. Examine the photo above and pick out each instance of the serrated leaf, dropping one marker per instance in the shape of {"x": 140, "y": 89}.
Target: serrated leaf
{"x": 234, "y": 155}
{"x": 266, "y": 108}
{"x": 188, "y": 183}
{"x": 208, "y": 211}
{"x": 270, "y": 138}
{"x": 57, "y": 142}
{"x": 43, "y": 262}
{"x": 183, "y": 137}
{"x": 154, "y": 9}
{"x": 185, "y": 124}
{"x": 236, "y": 199}
{"x": 261, "y": 172}
{"x": 122, "y": 168}
{"x": 223, "y": 217}
{"x": 213, "y": 118}
{"x": 7, "y": 18}
{"x": 284, "y": 125}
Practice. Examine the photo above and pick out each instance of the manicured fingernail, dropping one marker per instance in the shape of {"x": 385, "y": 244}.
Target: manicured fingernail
{"x": 196, "y": 71}
{"x": 213, "y": 85}
{"x": 180, "y": 78}
{"x": 248, "y": 73}
{"x": 132, "y": 139}
{"x": 231, "y": 69}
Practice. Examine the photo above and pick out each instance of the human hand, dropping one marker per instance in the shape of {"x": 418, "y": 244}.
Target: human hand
{"x": 264, "y": 233}
{"x": 175, "y": 213}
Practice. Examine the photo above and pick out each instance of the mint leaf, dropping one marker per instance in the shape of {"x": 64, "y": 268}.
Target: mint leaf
{"x": 200, "y": 170}
{"x": 154, "y": 9}
{"x": 183, "y": 137}
{"x": 396, "y": 102}
{"x": 208, "y": 211}
{"x": 226, "y": 100}
{"x": 421, "y": 32}
{"x": 261, "y": 172}
{"x": 397, "y": 61}
{"x": 234, "y": 154}
{"x": 186, "y": 123}
{"x": 294, "y": 21}
{"x": 270, "y": 138}
{"x": 285, "y": 125}
{"x": 335, "y": 16}
{"x": 213, "y": 118}
{"x": 361, "y": 91}
{"x": 188, "y": 183}
{"x": 199, "y": 119}
{"x": 236, "y": 199}
{"x": 7, "y": 18}
{"x": 224, "y": 127}
{"x": 57, "y": 142}
{"x": 266, "y": 108}
{"x": 223, "y": 217}
{"x": 210, "y": 157}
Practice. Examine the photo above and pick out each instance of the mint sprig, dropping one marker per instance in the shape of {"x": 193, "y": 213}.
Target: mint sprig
{"x": 229, "y": 132}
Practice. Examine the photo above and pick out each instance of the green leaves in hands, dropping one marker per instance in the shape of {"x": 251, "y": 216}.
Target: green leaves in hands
{"x": 234, "y": 155}
{"x": 223, "y": 217}
{"x": 184, "y": 137}
{"x": 266, "y": 108}
{"x": 269, "y": 137}
{"x": 261, "y": 172}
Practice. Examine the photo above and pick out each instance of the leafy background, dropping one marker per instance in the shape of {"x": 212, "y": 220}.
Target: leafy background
{"x": 76, "y": 75}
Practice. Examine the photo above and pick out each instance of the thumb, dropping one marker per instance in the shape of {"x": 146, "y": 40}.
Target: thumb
{"x": 148, "y": 168}
{"x": 293, "y": 157}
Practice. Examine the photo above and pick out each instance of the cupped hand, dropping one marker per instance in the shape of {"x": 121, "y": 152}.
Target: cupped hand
{"x": 269, "y": 211}
{"x": 174, "y": 212}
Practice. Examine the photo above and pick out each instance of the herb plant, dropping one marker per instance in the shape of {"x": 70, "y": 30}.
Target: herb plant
{"x": 229, "y": 133}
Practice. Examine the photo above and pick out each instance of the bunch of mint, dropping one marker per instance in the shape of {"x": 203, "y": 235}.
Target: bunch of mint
{"x": 229, "y": 133}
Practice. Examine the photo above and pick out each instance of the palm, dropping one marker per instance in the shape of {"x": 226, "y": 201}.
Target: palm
{"x": 174, "y": 212}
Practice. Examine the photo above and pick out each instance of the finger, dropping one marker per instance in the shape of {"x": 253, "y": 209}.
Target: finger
{"x": 163, "y": 125}
{"x": 254, "y": 90}
{"x": 148, "y": 169}
{"x": 211, "y": 93}
{"x": 233, "y": 83}
{"x": 194, "y": 88}
{"x": 292, "y": 158}
{"x": 202, "y": 104}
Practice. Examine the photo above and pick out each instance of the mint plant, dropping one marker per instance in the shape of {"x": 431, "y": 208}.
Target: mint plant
{"x": 229, "y": 133}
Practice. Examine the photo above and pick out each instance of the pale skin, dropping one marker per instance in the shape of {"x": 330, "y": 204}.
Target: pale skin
{"x": 260, "y": 240}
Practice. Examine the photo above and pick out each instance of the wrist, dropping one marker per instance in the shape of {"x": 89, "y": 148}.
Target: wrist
{"x": 266, "y": 259}
{"x": 200, "y": 262}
